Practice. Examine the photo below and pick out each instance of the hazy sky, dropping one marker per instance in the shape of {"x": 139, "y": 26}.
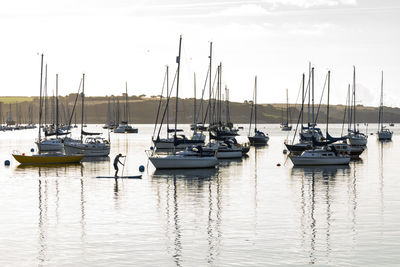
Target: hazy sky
{"x": 114, "y": 41}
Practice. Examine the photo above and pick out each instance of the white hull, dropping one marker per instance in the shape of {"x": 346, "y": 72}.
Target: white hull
{"x": 302, "y": 161}
{"x": 50, "y": 145}
{"x": 125, "y": 129}
{"x": 89, "y": 150}
{"x": 229, "y": 154}
{"x": 170, "y": 144}
{"x": 223, "y": 151}
{"x": 357, "y": 141}
{"x": 183, "y": 162}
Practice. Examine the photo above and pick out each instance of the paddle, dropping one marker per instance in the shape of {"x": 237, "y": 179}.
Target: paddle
{"x": 123, "y": 167}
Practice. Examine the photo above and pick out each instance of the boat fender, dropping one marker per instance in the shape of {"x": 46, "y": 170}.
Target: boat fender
{"x": 7, "y": 162}
{"x": 141, "y": 168}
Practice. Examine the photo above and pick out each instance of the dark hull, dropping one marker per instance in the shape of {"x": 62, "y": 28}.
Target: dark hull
{"x": 298, "y": 148}
{"x": 257, "y": 141}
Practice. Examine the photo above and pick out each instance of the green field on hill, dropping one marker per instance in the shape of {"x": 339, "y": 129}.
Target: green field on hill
{"x": 15, "y": 99}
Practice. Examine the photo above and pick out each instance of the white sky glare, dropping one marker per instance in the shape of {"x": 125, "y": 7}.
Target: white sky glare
{"x": 121, "y": 40}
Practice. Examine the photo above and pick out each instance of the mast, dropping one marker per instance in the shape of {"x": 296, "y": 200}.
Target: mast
{"x": 167, "y": 106}
{"x": 354, "y": 98}
{"x": 83, "y": 104}
{"x": 220, "y": 94}
{"x": 227, "y": 105}
{"x": 178, "y": 60}
{"x": 126, "y": 102}
{"x": 255, "y": 105}
{"x": 287, "y": 107}
{"x": 209, "y": 99}
{"x": 194, "y": 101}
{"x": 40, "y": 96}
{"x": 346, "y": 110}
{"x": 309, "y": 93}
{"x": 56, "y": 104}
{"x": 381, "y": 106}
{"x": 327, "y": 107}
{"x": 45, "y": 97}
{"x": 312, "y": 97}
{"x": 302, "y": 101}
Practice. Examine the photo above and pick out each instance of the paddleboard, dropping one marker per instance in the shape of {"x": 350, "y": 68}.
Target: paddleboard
{"x": 122, "y": 177}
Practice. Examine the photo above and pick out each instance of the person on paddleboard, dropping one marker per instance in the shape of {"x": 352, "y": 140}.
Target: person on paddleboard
{"x": 116, "y": 161}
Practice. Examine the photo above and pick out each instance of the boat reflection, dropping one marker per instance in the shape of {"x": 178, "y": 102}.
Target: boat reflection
{"x": 325, "y": 171}
{"x": 186, "y": 173}
{"x": 95, "y": 166}
{"x": 43, "y": 221}
{"x": 229, "y": 162}
{"x": 95, "y": 159}
{"x": 173, "y": 188}
{"x": 316, "y": 197}
{"x": 49, "y": 169}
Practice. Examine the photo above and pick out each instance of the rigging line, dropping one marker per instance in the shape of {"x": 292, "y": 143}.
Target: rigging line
{"x": 212, "y": 93}
{"x": 320, "y": 101}
{"x": 160, "y": 103}
{"x": 76, "y": 100}
{"x": 345, "y": 110}
{"x": 300, "y": 113}
{"x": 251, "y": 113}
{"x": 166, "y": 105}
{"x": 202, "y": 99}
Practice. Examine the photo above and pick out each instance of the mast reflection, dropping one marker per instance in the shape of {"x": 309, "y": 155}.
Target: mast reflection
{"x": 189, "y": 180}
{"x": 42, "y": 224}
{"x": 316, "y": 185}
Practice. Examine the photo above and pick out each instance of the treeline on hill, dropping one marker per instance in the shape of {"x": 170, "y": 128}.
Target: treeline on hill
{"x": 143, "y": 109}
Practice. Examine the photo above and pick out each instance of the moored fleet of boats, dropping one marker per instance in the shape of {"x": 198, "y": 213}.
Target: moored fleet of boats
{"x": 208, "y": 143}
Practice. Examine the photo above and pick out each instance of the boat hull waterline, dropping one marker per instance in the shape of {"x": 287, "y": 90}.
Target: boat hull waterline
{"x": 183, "y": 162}
{"x": 86, "y": 150}
{"x": 46, "y": 159}
{"x": 50, "y": 145}
{"x": 301, "y": 161}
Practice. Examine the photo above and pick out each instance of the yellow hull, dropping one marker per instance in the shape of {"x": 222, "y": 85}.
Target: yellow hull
{"x": 46, "y": 159}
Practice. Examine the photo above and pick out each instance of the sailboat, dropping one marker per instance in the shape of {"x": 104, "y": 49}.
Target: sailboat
{"x": 307, "y": 133}
{"x": 124, "y": 127}
{"x": 52, "y": 144}
{"x": 177, "y": 141}
{"x": 45, "y": 158}
{"x": 197, "y": 159}
{"x": 259, "y": 138}
{"x": 383, "y": 133}
{"x": 93, "y": 145}
{"x": 285, "y": 126}
{"x": 321, "y": 156}
{"x": 355, "y": 137}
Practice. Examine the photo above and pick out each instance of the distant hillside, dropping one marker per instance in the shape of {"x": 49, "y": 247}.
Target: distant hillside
{"x": 143, "y": 110}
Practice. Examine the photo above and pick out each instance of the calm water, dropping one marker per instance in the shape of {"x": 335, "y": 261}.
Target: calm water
{"x": 247, "y": 212}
